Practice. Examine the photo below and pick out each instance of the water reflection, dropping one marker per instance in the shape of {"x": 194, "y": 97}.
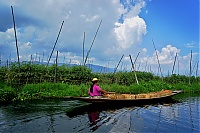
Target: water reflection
{"x": 75, "y": 116}
{"x": 103, "y": 114}
{"x": 98, "y": 114}
{"x": 93, "y": 117}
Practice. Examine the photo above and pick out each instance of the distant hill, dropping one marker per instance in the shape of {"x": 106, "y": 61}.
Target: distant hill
{"x": 98, "y": 68}
{"x": 93, "y": 67}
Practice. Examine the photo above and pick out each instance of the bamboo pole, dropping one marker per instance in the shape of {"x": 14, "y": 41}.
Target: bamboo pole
{"x": 92, "y": 44}
{"x": 139, "y": 66}
{"x": 197, "y": 69}
{"x": 7, "y": 63}
{"x": 122, "y": 67}
{"x": 190, "y": 67}
{"x": 146, "y": 67}
{"x": 157, "y": 59}
{"x": 108, "y": 66}
{"x": 135, "y": 60}
{"x": 64, "y": 60}
{"x": 174, "y": 64}
{"x": 134, "y": 69}
{"x": 56, "y": 68}
{"x": 35, "y": 57}
{"x": 9, "y": 60}
{"x": 83, "y": 46}
{"x": 136, "y": 57}
{"x": 178, "y": 65}
{"x": 118, "y": 64}
{"x": 150, "y": 69}
{"x": 55, "y": 43}
{"x": 15, "y": 35}
{"x": 193, "y": 68}
{"x": 42, "y": 57}
{"x": 31, "y": 59}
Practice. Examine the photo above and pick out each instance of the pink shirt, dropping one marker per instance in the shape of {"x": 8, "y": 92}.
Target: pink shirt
{"x": 96, "y": 91}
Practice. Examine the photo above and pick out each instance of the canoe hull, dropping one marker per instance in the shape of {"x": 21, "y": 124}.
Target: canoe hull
{"x": 131, "y": 101}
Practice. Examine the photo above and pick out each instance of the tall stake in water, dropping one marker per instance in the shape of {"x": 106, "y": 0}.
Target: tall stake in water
{"x": 135, "y": 60}
{"x": 157, "y": 59}
{"x": 91, "y": 44}
{"x": 178, "y": 65}
{"x": 134, "y": 69}
{"x": 197, "y": 69}
{"x": 174, "y": 64}
{"x": 55, "y": 43}
{"x": 193, "y": 68}
{"x": 15, "y": 35}
{"x": 83, "y": 46}
{"x": 56, "y": 68}
{"x": 118, "y": 64}
{"x": 190, "y": 67}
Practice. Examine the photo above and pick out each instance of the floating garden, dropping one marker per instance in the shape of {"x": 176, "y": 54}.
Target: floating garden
{"x": 37, "y": 81}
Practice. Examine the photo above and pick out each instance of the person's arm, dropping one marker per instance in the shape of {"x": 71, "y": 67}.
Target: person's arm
{"x": 106, "y": 92}
{"x": 103, "y": 91}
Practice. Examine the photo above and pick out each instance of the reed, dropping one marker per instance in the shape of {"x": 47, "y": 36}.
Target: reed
{"x": 7, "y": 93}
{"x": 50, "y": 90}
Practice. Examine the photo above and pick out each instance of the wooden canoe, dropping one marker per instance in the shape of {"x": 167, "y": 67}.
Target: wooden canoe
{"x": 130, "y": 98}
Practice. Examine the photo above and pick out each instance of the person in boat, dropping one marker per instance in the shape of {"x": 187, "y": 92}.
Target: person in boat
{"x": 95, "y": 91}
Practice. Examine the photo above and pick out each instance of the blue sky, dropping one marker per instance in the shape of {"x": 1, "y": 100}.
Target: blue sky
{"x": 128, "y": 27}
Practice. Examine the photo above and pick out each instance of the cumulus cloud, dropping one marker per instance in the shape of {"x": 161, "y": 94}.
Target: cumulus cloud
{"x": 130, "y": 32}
{"x": 38, "y": 23}
{"x": 165, "y": 56}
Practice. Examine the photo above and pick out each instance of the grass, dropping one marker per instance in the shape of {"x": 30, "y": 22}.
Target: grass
{"x": 7, "y": 93}
{"x": 50, "y": 90}
{"x": 59, "y": 90}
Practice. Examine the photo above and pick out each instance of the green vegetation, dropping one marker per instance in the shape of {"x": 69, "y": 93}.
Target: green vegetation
{"x": 35, "y": 81}
{"x": 7, "y": 93}
{"x": 49, "y": 90}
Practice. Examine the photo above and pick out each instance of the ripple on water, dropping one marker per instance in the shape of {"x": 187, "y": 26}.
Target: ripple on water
{"x": 162, "y": 118}
{"x": 75, "y": 116}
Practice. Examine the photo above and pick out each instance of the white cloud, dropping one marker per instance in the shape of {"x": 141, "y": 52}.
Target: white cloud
{"x": 113, "y": 39}
{"x": 135, "y": 10}
{"x": 93, "y": 18}
{"x": 25, "y": 46}
{"x": 133, "y": 28}
{"x": 166, "y": 59}
{"x": 130, "y": 32}
{"x": 166, "y": 56}
{"x": 79, "y": 17}
{"x": 7, "y": 36}
{"x": 191, "y": 45}
{"x": 144, "y": 50}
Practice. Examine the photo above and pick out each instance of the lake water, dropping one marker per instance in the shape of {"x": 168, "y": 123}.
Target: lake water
{"x": 75, "y": 116}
